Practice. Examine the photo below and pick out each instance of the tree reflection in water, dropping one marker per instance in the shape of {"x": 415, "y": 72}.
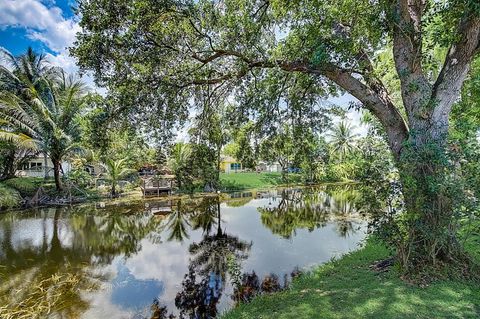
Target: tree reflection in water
{"x": 209, "y": 261}
{"x": 178, "y": 223}
{"x": 312, "y": 208}
{"x": 48, "y": 278}
{"x": 49, "y": 275}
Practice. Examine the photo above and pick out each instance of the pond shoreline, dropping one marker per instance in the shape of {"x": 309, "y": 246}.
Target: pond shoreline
{"x": 136, "y": 196}
{"x": 349, "y": 288}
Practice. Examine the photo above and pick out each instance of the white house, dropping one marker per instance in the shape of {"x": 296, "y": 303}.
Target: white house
{"x": 35, "y": 167}
{"x": 273, "y": 167}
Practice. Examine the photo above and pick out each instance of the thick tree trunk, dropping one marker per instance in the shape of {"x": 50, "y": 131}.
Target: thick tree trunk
{"x": 114, "y": 189}
{"x": 430, "y": 227}
{"x": 45, "y": 165}
{"x": 56, "y": 173}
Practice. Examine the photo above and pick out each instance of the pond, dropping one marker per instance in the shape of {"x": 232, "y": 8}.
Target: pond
{"x": 190, "y": 258}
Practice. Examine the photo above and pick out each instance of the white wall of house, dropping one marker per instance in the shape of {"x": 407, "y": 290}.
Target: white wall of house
{"x": 35, "y": 167}
{"x": 274, "y": 168}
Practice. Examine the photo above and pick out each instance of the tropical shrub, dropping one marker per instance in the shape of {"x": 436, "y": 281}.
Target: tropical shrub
{"x": 9, "y": 197}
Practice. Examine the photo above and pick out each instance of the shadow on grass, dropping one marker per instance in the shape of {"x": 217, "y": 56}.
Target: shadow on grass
{"x": 347, "y": 288}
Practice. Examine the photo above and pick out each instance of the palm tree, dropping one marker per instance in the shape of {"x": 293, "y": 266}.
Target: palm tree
{"x": 343, "y": 139}
{"x": 211, "y": 254}
{"x": 15, "y": 150}
{"x": 178, "y": 159}
{"x": 115, "y": 171}
{"x": 43, "y": 104}
{"x": 205, "y": 217}
{"x": 18, "y": 75}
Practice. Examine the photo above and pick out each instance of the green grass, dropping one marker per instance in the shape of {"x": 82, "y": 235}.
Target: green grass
{"x": 28, "y": 186}
{"x": 241, "y": 181}
{"x": 348, "y": 288}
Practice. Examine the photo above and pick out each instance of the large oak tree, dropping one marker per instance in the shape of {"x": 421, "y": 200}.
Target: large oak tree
{"x": 155, "y": 54}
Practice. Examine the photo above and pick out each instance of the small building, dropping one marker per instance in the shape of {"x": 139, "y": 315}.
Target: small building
{"x": 229, "y": 164}
{"x": 35, "y": 167}
{"x": 95, "y": 169}
{"x": 157, "y": 185}
{"x": 274, "y": 167}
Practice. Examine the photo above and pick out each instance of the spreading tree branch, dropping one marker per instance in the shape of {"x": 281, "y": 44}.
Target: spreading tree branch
{"x": 456, "y": 65}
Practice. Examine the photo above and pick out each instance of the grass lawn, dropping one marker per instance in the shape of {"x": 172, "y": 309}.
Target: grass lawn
{"x": 252, "y": 180}
{"x": 347, "y": 288}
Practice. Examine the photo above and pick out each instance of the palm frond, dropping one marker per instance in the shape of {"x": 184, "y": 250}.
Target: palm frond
{"x": 8, "y": 59}
{"x": 19, "y": 140}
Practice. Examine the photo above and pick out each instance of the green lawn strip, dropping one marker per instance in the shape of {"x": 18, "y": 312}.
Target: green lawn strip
{"x": 348, "y": 288}
{"x": 242, "y": 181}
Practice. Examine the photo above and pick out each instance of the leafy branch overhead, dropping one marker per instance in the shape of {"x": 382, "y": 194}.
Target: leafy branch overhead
{"x": 174, "y": 45}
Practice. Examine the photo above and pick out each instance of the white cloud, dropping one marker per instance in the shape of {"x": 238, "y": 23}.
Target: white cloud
{"x": 45, "y": 22}
{"x": 42, "y": 23}
{"x": 63, "y": 60}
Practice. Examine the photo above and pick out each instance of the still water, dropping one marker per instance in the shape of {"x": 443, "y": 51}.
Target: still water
{"x": 188, "y": 258}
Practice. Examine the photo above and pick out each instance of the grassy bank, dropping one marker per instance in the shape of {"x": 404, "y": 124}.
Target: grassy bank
{"x": 252, "y": 180}
{"x": 348, "y": 288}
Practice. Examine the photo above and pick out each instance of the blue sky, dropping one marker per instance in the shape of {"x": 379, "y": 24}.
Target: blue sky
{"x": 48, "y": 26}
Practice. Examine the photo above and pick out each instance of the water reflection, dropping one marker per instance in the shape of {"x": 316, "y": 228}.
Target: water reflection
{"x": 183, "y": 259}
{"x": 312, "y": 208}
{"x": 209, "y": 262}
{"x": 47, "y": 256}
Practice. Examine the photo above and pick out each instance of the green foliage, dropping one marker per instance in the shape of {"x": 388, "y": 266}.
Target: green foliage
{"x": 9, "y": 197}
{"x": 108, "y": 138}
{"x": 231, "y": 149}
{"x": 78, "y": 175}
{"x": 202, "y": 167}
{"x": 244, "y": 150}
{"x": 178, "y": 162}
{"x": 115, "y": 171}
{"x": 247, "y": 180}
{"x": 210, "y": 132}
{"x": 278, "y": 59}
{"x": 279, "y": 147}
{"x": 343, "y": 140}
{"x": 42, "y": 103}
{"x": 28, "y": 186}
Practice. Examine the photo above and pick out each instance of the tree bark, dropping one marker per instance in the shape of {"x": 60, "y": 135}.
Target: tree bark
{"x": 114, "y": 189}
{"x": 429, "y": 204}
{"x": 45, "y": 163}
{"x": 56, "y": 173}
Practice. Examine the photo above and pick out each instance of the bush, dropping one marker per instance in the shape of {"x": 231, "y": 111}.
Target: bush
{"x": 9, "y": 197}
{"x": 80, "y": 177}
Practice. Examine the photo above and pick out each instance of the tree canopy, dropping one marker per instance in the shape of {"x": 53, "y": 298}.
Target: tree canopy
{"x": 405, "y": 61}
